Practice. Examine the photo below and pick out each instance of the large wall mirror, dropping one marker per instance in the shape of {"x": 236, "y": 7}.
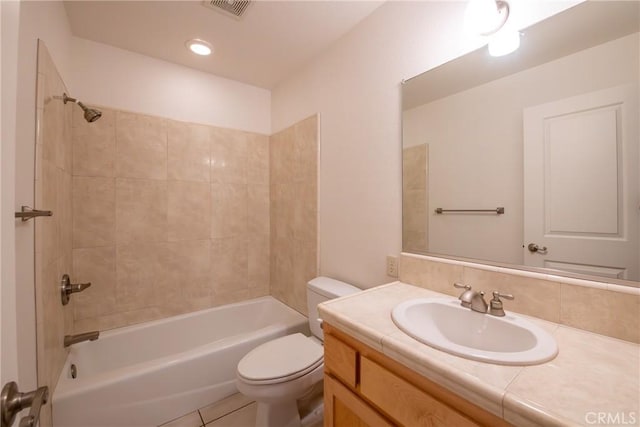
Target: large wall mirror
{"x": 531, "y": 160}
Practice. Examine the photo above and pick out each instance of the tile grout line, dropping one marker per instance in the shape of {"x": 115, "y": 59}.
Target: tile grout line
{"x": 224, "y": 415}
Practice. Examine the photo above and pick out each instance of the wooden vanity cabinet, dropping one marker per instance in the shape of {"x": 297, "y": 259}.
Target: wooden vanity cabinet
{"x": 363, "y": 387}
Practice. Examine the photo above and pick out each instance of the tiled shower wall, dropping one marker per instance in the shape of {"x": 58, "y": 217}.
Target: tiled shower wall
{"x": 52, "y": 234}
{"x": 168, "y": 217}
{"x": 415, "y": 202}
{"x": 294, "y": 211}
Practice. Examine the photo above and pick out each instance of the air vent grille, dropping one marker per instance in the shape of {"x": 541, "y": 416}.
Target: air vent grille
{"x": 236, "y": 8}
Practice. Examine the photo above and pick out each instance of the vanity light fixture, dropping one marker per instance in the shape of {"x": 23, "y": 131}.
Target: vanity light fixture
{"x": 199, "y": 47}
{"x": 488, "y": 18}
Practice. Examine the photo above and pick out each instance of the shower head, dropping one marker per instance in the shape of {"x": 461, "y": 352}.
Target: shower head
{"x": 90, "y": 114}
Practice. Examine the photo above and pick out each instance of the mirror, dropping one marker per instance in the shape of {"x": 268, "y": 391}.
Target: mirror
{"x": 531, "y": 160}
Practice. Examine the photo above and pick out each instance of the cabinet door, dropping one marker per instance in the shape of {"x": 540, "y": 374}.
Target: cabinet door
{"x": 342, "y": 408}
{"x": 404, "y": 402}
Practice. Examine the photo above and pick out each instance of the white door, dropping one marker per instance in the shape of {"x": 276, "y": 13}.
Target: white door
{"x": 581, "y": 184}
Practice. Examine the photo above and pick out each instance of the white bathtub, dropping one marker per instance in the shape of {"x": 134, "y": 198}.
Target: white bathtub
{"x": 147, "y": 374}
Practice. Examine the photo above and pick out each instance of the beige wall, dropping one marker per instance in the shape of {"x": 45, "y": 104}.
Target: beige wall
{"x": 168, "y": 217}
{"x": 355, "y": 85}
{"x": 294, "y": 211}
{"x": 53, "y": 234}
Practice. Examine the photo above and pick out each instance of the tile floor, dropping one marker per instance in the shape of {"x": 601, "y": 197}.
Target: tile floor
{"x": 234, "y": 411}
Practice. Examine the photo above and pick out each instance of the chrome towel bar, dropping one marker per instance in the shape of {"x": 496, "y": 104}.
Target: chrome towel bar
{"x": 498, "y": 211}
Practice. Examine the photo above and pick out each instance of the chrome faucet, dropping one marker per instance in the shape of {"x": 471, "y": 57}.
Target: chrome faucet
{"x": 74, "y": 339}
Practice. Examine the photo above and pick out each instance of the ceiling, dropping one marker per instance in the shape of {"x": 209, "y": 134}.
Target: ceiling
{"x": 271, "y": 41}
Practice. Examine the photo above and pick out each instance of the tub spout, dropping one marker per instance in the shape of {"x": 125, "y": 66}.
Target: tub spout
{"x": 74, "y": 339}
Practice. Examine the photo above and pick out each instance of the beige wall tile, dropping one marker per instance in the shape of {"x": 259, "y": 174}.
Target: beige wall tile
{"x": 94, "y": 144}
{"x": 282, "y": 156}
{"x": 414, "y": 241}
{"x": 436, "y": 276}
{"x": 282, "y": 264}
{"x": 94, "y": 211}
{"x": 189, "y": 269}
{"x": 141, "y": 210}
{"x": 229, "y": 264}
{"x": 601, "y": 311}
{"x": 228, "y": 210}
{"x": 188, "y": 215}
{"x": 189, "y": 152}
{"x": 141, "y": 146}
{"x": 258, "y": 267}
{"x": 533, "y": 297}
{"x": 141, "y": 267}
{"x": 283, "y": 210}
{"x": 305, "y": 268}
{"x": 414, "y": 210}
{"x": 414, "y": 168}
{"x": 306, "y": 150}
{"x": 63, "y": 209}
{"x": 228, "y": 156}
{"x": 190, "y": 205}
{"x": 305, "y": 212}
{"x": 258, "y": 209}
{"x": 46, "y": 239}
{"x": 98, "y": 266}
{"x": 258, "y": 159}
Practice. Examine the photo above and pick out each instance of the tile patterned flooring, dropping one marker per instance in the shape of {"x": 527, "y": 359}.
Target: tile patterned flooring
{"x": 234, "y": 411}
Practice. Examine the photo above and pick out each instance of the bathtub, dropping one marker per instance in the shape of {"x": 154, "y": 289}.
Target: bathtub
{"x": 147, "y": 374}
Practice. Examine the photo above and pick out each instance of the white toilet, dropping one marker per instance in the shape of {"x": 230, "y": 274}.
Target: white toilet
{"x": 278, "y": 373}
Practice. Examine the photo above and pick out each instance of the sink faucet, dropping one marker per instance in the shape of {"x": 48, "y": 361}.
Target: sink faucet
{"x": 74, "y": 339}
{"x": 476, "y": 302}
{"x": 471, "y": 299}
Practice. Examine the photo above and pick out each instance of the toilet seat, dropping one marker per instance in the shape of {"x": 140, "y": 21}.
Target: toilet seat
{"x": 281, "y": 360}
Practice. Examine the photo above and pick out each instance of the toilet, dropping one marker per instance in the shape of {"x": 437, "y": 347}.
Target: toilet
{"x": 279, "y": 372}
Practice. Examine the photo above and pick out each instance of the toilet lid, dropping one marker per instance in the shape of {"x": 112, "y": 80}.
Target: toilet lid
{"x": 280, "y": 360}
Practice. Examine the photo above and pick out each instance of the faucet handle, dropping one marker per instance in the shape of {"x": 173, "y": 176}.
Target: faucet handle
{"x": 461, "y": 286}
{"x": 495, "y": 305}
{"x": 465, "y": 297}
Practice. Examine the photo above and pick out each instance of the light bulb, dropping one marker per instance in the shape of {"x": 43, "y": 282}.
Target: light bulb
{"x": 199, "y": 47}
{"x": 504, "y": 42}
{"x": 485, "y": 17}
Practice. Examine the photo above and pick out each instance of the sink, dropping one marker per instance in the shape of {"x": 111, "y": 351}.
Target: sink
{"x": 443, "y": 324}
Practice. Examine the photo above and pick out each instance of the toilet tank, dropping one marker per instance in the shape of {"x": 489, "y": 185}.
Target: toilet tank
{"x": 323, "y": 289}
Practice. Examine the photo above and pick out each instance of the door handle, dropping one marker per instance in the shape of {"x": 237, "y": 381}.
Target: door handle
{"x": 533, "y": 248}
{"x": 12, "y": 402}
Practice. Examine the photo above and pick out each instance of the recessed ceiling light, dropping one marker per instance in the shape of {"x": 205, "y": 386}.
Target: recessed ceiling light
{"x": 199, "y": 47}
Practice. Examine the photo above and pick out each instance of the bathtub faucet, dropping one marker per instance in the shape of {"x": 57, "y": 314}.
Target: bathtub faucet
{"x": 74, "y": 339}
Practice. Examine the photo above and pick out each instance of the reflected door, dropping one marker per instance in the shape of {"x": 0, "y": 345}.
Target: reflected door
{"x": 581, "y": 184}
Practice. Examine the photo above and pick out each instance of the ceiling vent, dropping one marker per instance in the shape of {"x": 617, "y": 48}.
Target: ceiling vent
{"x": 234, "y": 8}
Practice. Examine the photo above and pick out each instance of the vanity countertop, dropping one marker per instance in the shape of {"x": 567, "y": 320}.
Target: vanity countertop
{"x": 594, "y": 380}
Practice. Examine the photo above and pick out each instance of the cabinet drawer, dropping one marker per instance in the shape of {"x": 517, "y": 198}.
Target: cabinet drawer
{"x": 345, "y": 409}
{"x": 404, "y": 402}
{"x": 340, "y": 360}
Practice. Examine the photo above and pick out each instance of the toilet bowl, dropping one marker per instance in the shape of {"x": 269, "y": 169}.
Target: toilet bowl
{"x": 278, "y": 373}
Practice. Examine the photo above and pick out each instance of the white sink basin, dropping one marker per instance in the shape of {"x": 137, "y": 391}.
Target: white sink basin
{"x": 442, "y": 323}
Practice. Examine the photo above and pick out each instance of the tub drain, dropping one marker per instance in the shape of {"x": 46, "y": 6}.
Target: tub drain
{"x": 74, "y": 371}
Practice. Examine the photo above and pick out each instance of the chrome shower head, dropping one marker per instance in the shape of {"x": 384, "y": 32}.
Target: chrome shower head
{"x": 90, "y": 114}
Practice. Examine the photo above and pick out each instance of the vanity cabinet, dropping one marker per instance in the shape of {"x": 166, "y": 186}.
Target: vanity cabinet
{"x": 363, "y": 387}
